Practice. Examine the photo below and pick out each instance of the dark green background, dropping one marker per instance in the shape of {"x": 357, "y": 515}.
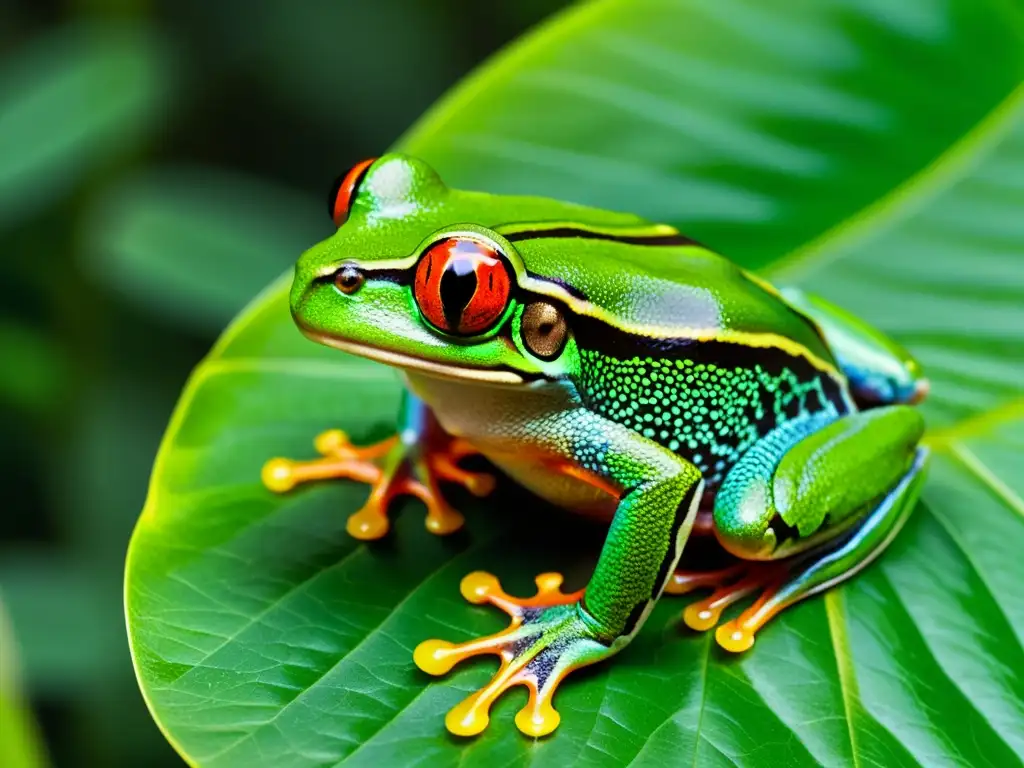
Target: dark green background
{"x": 226, "y": 121}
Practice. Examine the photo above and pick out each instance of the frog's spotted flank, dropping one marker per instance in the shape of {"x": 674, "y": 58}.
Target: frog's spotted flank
{"x": 699, "y": 401}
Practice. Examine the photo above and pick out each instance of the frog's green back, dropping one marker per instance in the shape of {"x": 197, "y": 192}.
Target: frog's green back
{"x": 687, "y": 288}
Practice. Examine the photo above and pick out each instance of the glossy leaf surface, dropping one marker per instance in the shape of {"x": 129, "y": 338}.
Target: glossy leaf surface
{"x": 873, "y": 152}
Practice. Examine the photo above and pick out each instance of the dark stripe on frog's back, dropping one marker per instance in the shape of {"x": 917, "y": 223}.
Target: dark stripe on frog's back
{"x": 584, "y": 233}
{"x": 707, "y": 401}
{"x": 808, "y": 322}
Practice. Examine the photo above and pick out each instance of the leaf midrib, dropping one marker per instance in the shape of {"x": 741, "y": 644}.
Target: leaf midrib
{"x": 844, "y": 664}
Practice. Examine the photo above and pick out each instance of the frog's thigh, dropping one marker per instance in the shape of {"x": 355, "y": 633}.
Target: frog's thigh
{"x": 778, "y": 501}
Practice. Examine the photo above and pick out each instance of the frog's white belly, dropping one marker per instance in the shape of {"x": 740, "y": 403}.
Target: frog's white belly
{"x": 507, "y": 425}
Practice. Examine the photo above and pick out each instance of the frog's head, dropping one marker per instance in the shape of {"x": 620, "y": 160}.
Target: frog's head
{"x": 417, "y": 277}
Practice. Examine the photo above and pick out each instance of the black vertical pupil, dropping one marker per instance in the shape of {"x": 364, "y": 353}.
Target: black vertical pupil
{"x": 458, "y": 284}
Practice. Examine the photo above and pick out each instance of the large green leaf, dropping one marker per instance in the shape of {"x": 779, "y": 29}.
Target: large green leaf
{"x": 871, "y": 151}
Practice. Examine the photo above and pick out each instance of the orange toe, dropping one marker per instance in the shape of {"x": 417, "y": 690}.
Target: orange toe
{"x": 730, "y": 585}
{"x": 391, "y": 469}
{"x": 530, "y": 650}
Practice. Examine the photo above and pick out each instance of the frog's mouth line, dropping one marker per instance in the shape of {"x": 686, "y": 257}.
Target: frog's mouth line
{"x": 399, "y": 360}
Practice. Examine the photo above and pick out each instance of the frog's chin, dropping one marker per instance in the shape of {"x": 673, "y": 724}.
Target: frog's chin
{"x": 418, "y": 364}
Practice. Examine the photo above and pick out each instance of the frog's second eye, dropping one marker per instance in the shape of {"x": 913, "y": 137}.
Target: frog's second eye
{"x": 544, "y": 330}
{"x": 462, "y": 286}
{"x": 339, "y": 201}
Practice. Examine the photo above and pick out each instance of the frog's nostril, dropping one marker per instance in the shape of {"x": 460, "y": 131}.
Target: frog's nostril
{"x": 349, "y": 279}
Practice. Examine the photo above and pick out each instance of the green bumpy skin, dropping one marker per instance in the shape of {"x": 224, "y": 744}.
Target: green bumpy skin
{"x": 615, "y": 367}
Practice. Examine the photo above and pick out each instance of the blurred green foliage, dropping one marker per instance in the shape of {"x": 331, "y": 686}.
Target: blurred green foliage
{"x": 145, "y": 146}
{"x": 20, "y": 745}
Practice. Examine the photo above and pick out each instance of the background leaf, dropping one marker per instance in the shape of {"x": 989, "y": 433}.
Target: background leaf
{"x": 870, "y": 152}
{"x": 34, "y": 371}
{"x": 20, "y": 747}
{"x": 195, "y": 244}
{"x": 72, "y": 101}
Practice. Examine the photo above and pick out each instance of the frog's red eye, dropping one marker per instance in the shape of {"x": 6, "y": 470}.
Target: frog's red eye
{"x": 462, "y": 286}
{"x": 339, "y": 201}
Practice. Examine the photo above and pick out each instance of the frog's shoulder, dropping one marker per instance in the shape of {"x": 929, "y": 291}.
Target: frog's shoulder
{"x": 664, "y": 286}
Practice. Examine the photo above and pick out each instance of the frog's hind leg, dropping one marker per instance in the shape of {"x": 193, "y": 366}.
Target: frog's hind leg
{"x": 777, "y": 585}
{"x": 831, "y": 563}
{"x": 412, "y": 462}
{"x": 812, "y": 504}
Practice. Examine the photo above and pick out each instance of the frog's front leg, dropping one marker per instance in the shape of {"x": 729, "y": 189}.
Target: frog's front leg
{"x": 411, "y": 462}
{"x": 814, "y": 503}
{"x": 554, "y": 633}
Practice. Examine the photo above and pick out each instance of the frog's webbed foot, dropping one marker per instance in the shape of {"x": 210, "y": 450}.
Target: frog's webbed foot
{"x": 730, "y": 585}
{"x": 392, "y": 468}
{"x": 547, "y": 639}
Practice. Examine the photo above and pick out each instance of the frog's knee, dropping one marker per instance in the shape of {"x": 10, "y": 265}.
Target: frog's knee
{"x": 892, "y": 429}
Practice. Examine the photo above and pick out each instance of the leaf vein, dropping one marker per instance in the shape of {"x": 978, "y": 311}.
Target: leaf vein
{"x": 257, "y": 618}
{"x": 844, "y": 663}
{"x": 970, "y": 461}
